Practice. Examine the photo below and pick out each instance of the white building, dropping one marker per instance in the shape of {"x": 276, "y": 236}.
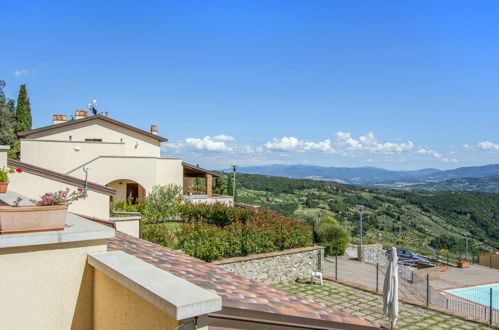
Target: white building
{"x": 117, "y": 155}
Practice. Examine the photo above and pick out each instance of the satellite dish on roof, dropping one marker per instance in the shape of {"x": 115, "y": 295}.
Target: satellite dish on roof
{"x": 91, "y": 107}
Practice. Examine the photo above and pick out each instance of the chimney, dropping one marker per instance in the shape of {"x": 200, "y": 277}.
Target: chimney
{"x": 107, "y": 114}
{"x": 154, "y": 129}
{"x": 58, "y": 119}
{"x": 79, "y": 114}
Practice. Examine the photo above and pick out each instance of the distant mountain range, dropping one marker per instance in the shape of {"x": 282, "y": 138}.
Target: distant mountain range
{"x": 373, "y": 176}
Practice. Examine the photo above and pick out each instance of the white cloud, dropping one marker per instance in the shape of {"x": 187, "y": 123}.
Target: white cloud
{"x": 450, "y": 160}
{"x": 426, "y": 151}
{"x": 247, "y": 150}
{"x": 487, "y": 145}
{"x": 22, "y": 72}
{"x": 207, "y": 143}
{"x": 293, "y": 144}
{"x": 370, "y": 143}
{"x": 343, "y": 135}
{"x": 223, "y": 137}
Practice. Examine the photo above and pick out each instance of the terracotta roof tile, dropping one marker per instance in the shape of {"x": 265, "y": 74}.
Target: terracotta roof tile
{"x": 235, "y": 290}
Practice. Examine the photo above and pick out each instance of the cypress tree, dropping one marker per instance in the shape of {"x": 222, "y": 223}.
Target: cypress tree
{"x": 229, "y": 185}
{"x": 23, "y": 110}
{"x": 218, "y": 186}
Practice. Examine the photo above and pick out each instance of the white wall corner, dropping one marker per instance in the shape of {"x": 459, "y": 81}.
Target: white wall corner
{"x": 3, "y": 155}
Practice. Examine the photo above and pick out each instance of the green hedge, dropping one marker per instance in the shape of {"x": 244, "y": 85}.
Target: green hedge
{"x": 246, "y": 231}
{"x": 215, "y": 214}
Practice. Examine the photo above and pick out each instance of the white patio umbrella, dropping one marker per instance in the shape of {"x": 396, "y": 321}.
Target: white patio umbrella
{"x": 391, "y": 288}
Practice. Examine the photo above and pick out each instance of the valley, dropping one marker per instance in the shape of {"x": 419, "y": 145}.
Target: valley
{"x": 417, "y": 220}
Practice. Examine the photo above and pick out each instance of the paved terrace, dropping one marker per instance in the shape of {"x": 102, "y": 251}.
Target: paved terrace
{"x": 350, "y": 269}
{"x": 236, "y": 291}
{"x": 369, "y": 306}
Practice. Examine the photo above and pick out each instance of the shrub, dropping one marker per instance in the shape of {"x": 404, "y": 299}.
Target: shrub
{"x": 333, "y": 235}
{"x": 202, "y": 240}
{"x": 61, "y": 197}
{"x": 209, "y": 236}
{"x": 159, "y": 234}
{"x": 162, "y": 202}
{"x": 216, "y": 214}
{"x": 123, "y": 206}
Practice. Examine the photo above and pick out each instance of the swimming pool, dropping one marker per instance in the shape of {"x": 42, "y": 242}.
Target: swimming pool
{"x": 479, "y": 294}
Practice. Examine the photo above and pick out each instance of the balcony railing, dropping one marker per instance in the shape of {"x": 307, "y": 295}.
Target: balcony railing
{"x": 195, "y": 190}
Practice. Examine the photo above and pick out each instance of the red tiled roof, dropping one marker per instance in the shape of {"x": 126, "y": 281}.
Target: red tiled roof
{"x": 236, "y": 291}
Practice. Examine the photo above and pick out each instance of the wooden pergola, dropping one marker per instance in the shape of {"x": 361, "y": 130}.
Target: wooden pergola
{"x": 193, "y": 171}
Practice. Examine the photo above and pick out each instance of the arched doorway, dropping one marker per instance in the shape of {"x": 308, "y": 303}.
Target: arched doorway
{"x": 127, "y": 190}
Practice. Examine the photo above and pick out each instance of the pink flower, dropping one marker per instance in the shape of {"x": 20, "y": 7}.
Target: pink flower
{"x": 63, "y": 195}
{"x": 50, "y": 197}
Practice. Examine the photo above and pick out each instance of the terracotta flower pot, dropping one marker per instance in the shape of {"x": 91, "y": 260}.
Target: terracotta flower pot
{"x": 442, "y": 268}
{"x": 3, "y": 187}
{"x": 463, "y": 264}
{"x": 25, "y": 219}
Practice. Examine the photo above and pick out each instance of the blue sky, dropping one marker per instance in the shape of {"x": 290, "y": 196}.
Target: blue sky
{"x": 393, "y": 84}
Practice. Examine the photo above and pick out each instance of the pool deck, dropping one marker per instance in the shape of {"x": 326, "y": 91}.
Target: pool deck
{"x": 369, "y": 306}
{"x": 464, "y": 277}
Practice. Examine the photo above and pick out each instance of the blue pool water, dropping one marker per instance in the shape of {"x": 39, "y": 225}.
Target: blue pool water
{"x": 196, "y": 196}
{"x": 479, "y": 294}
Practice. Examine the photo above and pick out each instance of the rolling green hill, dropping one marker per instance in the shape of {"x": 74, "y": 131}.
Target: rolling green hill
{"x": 413, "y": 219}
{"x": 488, "y": 184}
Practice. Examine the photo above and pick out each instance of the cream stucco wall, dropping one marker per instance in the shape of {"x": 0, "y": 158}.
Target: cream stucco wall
{"x": 120, "y": 187}
{"x": 42, "y": 148}
{"x": 130, "y": 227}
{"x": 145, "y": 171}
{"x": 47, "y": 286}
{"x": 3, "y": 155}
{"x": 33, "y": 186}
{"x": 226, "y": 200}
{"x": 117, "y": 307}
{"x": 64, "y": 156}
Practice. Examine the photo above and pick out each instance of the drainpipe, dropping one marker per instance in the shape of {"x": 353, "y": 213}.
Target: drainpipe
{"x": 85, "y": 185}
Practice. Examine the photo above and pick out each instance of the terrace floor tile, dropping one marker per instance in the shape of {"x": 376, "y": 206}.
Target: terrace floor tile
{"x": 369, "y": 306}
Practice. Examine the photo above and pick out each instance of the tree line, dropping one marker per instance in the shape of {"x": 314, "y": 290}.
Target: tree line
{"x": 15, "y": 117}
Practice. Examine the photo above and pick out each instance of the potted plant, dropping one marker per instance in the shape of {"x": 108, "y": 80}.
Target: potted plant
{"x": 4, "y": 178}
{"x": 442, "y": 267}
{"x": 463, "y": 264}
{"x": 48, "y": 213}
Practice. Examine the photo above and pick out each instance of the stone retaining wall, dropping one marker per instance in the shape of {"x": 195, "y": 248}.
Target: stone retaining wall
{"x": 276, "y": 267}
{"x": 372, "y": 254}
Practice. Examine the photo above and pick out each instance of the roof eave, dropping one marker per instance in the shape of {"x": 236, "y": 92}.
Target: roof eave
{"x": 56, "y": 176}
{"x": 23, "y": 134}
{"x": 197, "y": 168}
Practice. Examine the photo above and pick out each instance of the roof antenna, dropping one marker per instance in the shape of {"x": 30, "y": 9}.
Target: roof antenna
{"x": 91, "y": 107}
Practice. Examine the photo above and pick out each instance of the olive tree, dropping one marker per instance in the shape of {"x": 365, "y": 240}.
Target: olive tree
{"x": 162, "y": 202}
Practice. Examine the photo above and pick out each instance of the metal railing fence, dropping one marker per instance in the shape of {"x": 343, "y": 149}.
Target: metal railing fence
{"x": 477, "y": 301}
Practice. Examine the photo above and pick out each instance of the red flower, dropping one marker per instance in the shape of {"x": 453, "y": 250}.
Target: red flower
{"x": 18, "y": 170}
